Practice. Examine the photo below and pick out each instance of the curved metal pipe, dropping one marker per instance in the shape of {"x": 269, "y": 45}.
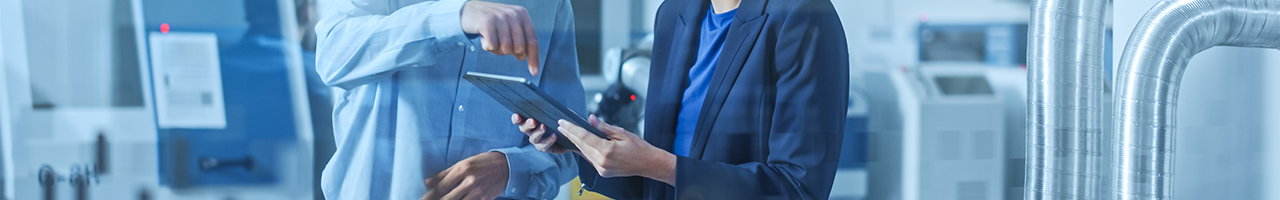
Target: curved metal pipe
{"x": 1065, "y": 73}
{"x": 1150, "y": 71}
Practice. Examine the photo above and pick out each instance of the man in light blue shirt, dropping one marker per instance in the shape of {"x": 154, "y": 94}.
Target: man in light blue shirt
{"x": 406, "y": 124}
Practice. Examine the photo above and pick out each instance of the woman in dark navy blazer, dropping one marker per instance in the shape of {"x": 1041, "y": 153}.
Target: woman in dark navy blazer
{"x": 769, "y": 126}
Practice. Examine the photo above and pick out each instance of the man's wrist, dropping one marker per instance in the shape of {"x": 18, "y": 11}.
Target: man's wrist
{"x": 498, "y": 155}
{"x": 518, "y": 173}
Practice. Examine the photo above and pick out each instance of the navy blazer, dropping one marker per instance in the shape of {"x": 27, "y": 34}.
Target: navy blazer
{"x": 771, "y": 126}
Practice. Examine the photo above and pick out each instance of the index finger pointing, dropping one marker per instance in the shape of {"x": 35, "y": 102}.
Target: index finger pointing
{"x": 531, "y": 39}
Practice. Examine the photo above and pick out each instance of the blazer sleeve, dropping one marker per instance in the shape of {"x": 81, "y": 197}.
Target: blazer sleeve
{"x": 634, "y": 187}
{"x": 807, "y": 122}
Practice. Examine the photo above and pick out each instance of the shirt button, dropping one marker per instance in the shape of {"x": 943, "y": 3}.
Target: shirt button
{"x": 459, "y": 108}
{"x": 415, "y": 65}
{"x": 473, "y": 48}
{"x": 513, "y": 190}
{"x": 461, "y": 44}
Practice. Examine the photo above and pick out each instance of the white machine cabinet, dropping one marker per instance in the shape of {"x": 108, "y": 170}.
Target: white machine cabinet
{"x": 937, "y": 134}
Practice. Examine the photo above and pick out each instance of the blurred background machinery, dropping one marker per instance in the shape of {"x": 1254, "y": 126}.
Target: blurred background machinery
{"x": 149, "y": 99}
{"x": 938, "y": 132}
{"x": 86, "y": 99}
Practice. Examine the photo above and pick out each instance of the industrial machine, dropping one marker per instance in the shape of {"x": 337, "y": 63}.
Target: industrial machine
{"x": 228, "y": 94}
{"x": 153, "y": 99}
{"x": 996, "y": 44}
{"x": 226, "y": 98}
{"x": 1010, "y": 85}
{"x": 935, "y": 132}
{"x": 627, "y": 72}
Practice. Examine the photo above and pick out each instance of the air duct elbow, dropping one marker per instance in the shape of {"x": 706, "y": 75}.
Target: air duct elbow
{"x": 1146, "y": 87}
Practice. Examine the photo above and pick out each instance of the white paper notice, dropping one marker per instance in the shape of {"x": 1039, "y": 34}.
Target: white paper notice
{"x": 187, "y": 80}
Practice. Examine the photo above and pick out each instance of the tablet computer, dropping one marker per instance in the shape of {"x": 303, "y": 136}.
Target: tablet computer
{"x": 521, "y": 97}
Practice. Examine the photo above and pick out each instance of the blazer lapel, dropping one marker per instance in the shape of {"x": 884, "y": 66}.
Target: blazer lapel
{"x": 682, "y": 55}
{"x": 743, "y": 32}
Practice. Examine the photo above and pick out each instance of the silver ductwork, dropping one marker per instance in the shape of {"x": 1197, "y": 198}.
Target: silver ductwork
{"x": 1146, "y": 87}
{"x": 1064, "y": 109}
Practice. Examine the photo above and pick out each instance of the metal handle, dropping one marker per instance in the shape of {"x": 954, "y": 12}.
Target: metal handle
{"x": 209, "y": 163}
{"x": 47, "y": 181}
{"x": 100, "y": 147}
{"x": 80, "y": 182}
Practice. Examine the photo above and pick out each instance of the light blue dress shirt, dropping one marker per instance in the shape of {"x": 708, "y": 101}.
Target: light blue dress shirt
{"x": 403, "y": 112}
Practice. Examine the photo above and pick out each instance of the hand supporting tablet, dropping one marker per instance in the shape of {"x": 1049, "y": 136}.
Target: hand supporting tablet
{"x": 523, "y": 98}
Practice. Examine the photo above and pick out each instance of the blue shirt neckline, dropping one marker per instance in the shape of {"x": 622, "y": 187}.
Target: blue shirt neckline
{"x": 714, "y": 30}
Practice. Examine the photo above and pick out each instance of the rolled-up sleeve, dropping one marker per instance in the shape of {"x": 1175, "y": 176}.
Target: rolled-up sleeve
{"x": 360, "y": 41}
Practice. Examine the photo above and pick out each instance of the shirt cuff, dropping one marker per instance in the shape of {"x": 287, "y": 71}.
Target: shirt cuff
{"x": 445, "y": 21}
{"x": 521, "y": 180}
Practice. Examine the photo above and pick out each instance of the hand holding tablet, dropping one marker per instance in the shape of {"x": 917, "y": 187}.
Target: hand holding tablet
{"x": 524, "y": 99}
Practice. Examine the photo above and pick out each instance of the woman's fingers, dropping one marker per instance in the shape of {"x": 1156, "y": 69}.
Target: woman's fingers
{"x": 579, "y": 137}
{"x": 599, "y": 124}
{"x": 614, "y": 132}
{"x": 575, "y": 133}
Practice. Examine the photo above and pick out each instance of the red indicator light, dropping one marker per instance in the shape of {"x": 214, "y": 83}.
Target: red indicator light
{"x": 633, "y": 97}
{"x": 164, "y": 28}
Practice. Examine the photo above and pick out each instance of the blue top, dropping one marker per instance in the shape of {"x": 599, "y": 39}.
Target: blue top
{"x": 714, "y": 29}
{"x": 403, "y": 113}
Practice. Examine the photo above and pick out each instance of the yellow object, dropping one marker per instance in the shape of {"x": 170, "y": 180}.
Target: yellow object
{"x": 576, "y": 185}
